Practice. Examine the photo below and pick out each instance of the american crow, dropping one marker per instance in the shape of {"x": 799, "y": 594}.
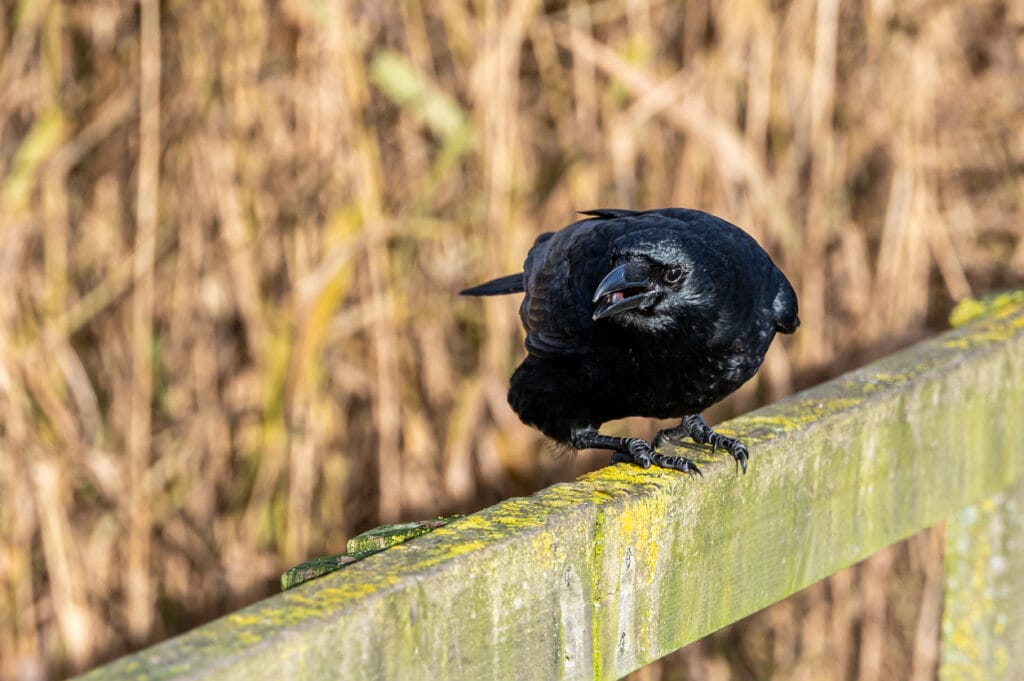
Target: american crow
{"x": 642, "y": 313}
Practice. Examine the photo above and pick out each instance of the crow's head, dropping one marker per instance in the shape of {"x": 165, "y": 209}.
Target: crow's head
{"x": 653, "y": 284}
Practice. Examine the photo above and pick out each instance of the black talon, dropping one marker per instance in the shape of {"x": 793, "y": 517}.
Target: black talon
{"x": 677, "y": 463}
{"x": 701, "y": 433}
{"x": 741, "y": 455}
{"x": 640, "y": 451}
{"x": 632, "y": 450}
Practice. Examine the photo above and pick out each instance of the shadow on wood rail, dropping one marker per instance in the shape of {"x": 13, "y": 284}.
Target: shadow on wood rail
{"x": 595, "y": 578}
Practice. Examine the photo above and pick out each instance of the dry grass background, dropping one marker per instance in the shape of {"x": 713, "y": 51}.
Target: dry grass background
{"x": 233, "y": 233}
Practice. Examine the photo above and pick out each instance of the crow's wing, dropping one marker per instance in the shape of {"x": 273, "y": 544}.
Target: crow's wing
{"x": 561, "y": 272}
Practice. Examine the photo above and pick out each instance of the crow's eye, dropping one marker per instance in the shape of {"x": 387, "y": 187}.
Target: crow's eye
{"x": 673, "y": 274}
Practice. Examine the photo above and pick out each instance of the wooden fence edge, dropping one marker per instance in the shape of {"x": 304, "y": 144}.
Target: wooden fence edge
{"x": 595, "y": 578}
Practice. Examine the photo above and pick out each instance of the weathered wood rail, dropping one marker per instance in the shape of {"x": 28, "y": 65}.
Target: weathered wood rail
{"x": 595, "y": 578}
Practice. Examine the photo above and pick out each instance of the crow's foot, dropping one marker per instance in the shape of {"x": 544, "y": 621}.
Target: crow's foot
{"x": 630, "y": 450}
{"x": 633, "y": 450}
{"x": 643, "y": 455}
{"x": 695, "y": 427}
{"x": 676, "y": 463}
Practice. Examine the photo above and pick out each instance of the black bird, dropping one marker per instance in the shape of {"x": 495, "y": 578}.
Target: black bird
{"x": 642, "y": 313}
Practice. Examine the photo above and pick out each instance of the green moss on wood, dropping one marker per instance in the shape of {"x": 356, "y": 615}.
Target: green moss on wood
{"x": 318, "y": 567}
{"x": 359, "y": 547}
{"x": 982, "y": 620}
{"x": 386, "y": 536}
{"x": 595, "y": 578}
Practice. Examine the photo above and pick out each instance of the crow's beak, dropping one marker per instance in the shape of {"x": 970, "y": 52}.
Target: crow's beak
{"x": 624, "y": 288}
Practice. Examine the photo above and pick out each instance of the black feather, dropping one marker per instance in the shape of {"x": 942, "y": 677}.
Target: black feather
{"x": 510, "y": 283}
{"x": 656, "y": 313}
{"x": 607, "y": 213}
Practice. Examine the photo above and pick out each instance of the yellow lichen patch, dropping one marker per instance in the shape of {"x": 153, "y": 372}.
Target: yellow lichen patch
{"x": 997, "y": 305}
{"x": 341, "y": 587}
{"x": 440, "y": 553}
{"x": 625, "y": 475}
{"x": 244, "y": 619}
{"x": 797, "y": 416}
{"x": 295, "y": 609}
{"x": 996, "y": 319}
{"x": 988, "y": 332}
{"x": 881, "y": 379}
{"x": 246, "y": 637}
{"x": 982, "y": 588}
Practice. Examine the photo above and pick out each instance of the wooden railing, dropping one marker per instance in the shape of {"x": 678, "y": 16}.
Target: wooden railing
{"x": 595, "y": 578}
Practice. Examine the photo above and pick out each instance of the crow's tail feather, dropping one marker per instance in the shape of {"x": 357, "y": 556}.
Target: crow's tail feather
{"x": 510, "y": 283}
{"x": 608, "y": 213}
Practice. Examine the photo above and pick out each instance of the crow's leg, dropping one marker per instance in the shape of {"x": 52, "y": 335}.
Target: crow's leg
{"x": 701, "y": 432}
{"x": 630, "y": 450}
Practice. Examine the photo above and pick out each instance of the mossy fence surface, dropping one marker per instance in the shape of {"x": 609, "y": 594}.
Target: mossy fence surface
{"x": 595, "y": 578}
